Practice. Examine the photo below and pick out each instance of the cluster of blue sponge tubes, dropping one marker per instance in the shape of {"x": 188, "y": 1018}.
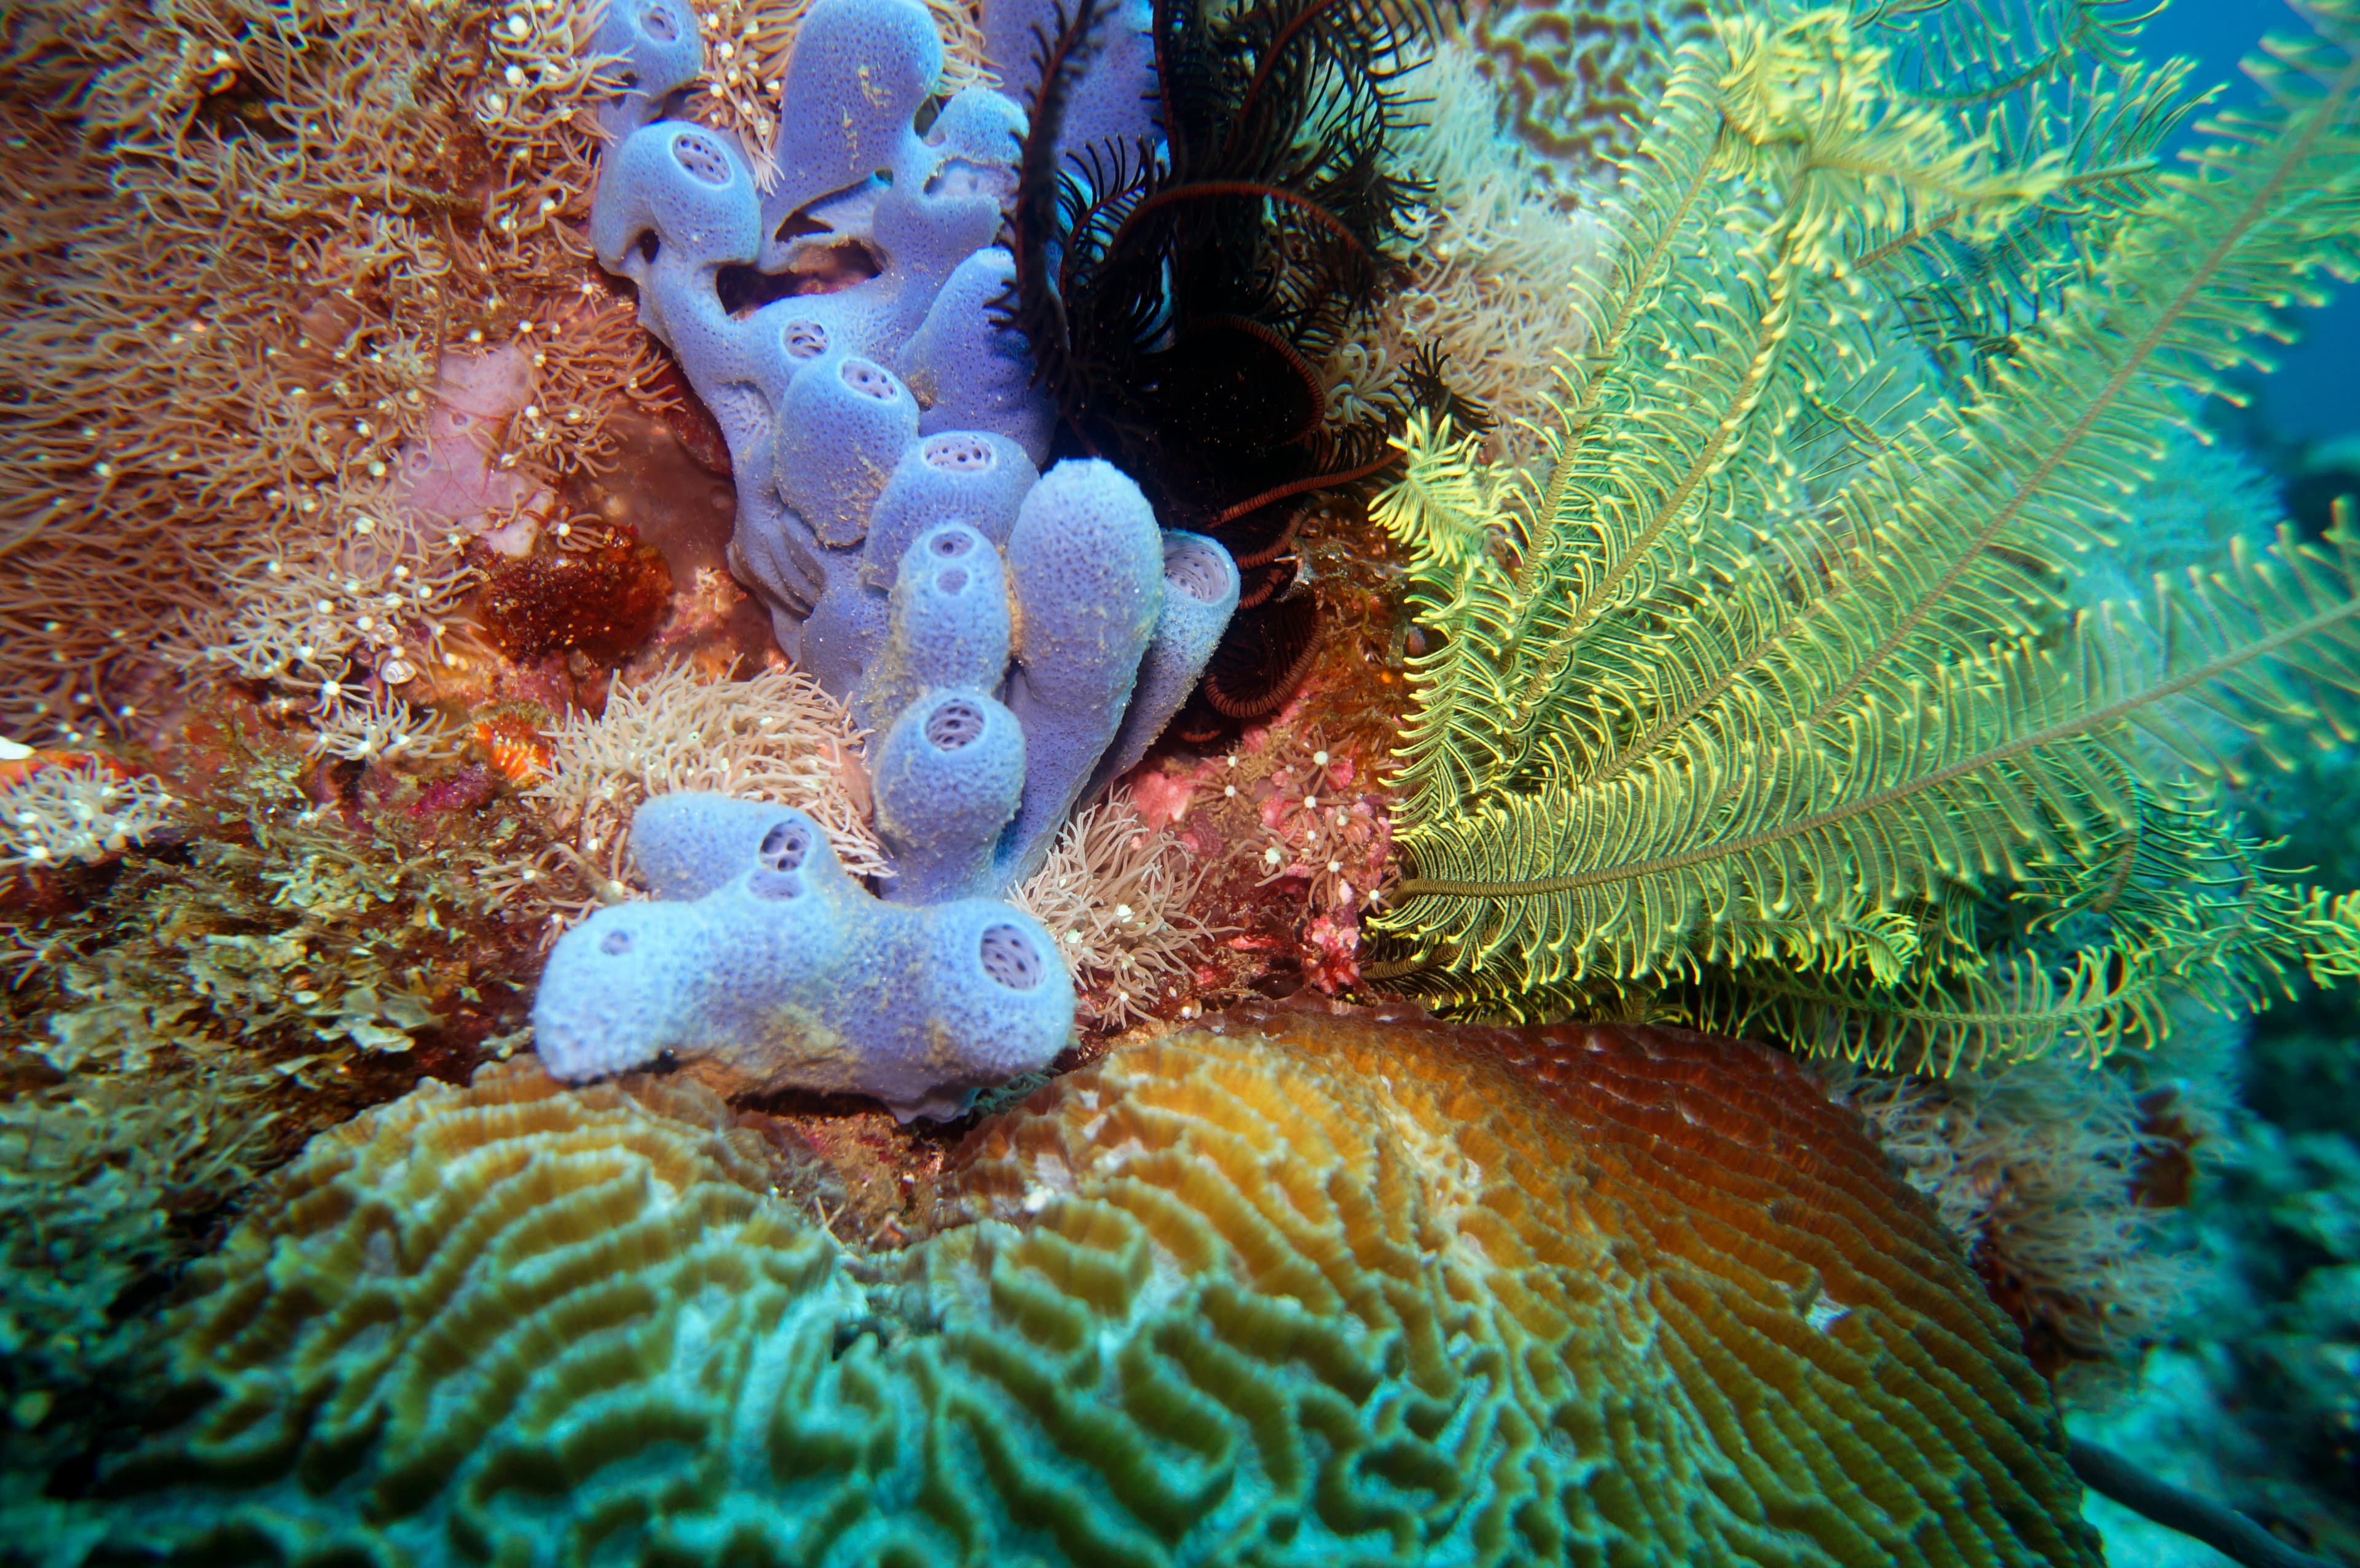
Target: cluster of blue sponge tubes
{"x": 1012, "y": 640}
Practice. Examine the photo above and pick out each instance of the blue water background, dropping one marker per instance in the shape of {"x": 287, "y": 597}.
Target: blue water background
{"x": 2315, "y": 394}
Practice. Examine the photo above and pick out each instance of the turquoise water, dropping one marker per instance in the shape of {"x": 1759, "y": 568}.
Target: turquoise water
{"x": 2316, "y": 392}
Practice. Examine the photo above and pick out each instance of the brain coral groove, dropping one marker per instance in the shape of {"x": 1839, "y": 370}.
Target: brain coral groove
{"x": 1287, "y": 1287}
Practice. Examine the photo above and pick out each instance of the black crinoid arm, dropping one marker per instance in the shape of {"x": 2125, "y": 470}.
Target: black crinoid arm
{"x": 1179, "y": 290}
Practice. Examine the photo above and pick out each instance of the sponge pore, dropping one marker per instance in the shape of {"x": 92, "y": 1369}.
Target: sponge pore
{"x": 1009, "y": 958}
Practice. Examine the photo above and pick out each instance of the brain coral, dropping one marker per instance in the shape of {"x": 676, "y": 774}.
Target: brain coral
{"x": 1578, "y": 78}
{"x": 1283, "y": 1289}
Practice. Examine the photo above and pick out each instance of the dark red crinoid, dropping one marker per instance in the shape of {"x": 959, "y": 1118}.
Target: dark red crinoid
{"x": 1176, "y": 299}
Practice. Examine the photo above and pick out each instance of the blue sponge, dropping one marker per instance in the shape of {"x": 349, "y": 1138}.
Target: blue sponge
{"x": 1007, "y": 638}
{"x": 823, "y": 434}
{"x": 661, "y": 51}
{"x": 674, "y": 208}
{"x": 857, "y": 73}
{"x": 842, "y": 428}
{"x": 675, "y": 187}
{"x": 687, "y": 844}
{"x": 948, "y": 626}
{"x": 842, "y": 634}
{"x": 970, "y": 369}
{"x": 1111, "y": 106}
{"x": 944, "y": 201}
{"x": 1200, "y": 594}
{"x": 637, "y": 980}
{"x": 974, "y": 475}
{"x": 1086, "y": 561}
{"x": 994, "y": 984}
{"x": 789, "y": 975}
{"x": 947, "y": 778}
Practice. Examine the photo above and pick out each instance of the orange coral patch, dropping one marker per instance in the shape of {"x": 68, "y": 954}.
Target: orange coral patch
{"x": 1715, "y": 1284}
{"x": 514, "y": 746}
{"x": 15, "y": 770}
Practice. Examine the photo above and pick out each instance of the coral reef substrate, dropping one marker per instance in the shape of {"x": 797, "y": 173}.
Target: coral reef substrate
{"x": 1287, "y": 1287}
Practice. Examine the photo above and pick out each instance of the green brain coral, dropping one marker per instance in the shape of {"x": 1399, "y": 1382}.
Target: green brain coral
{"x": 1285, "y": 1288}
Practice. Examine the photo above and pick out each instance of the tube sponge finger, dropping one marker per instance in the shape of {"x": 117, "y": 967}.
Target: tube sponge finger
{"x": 997, "y": 991}
{"x": 637, "y": 980}
{"x": 975, "y": 476}
{"x": 1200, "y": 594}
{"x": 946, "y": 779}
{"x": 859, "y": 69}
{"x": 947, "y": 625}
{"x": 938, "y": 209}
{"x": 773, "y": 549}
{"x": 787, "y": 334}
{"x": 620, "y": 989}
{"x": 842, "y": 428}
{"x": 685, "y": 186}
{"x": 842, "y": 635}
{"x": 973, "y": 371}
{"x": 661, "y": 53}
{"x": 981, "y": 127}
{"x": 690, "y": 842}
{"x": 1086, "y": 561}
{"x": 804, "y": 329}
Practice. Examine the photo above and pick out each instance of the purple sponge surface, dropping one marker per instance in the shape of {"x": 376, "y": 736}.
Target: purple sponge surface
{"x": 948, "y": 777}
{"x": 947, "y": 625}
{"x": 842, "y": 429}
{"x": 793, "y": 976}
{"x": 858, "y": 72}
{"x": 1086, "y": 561}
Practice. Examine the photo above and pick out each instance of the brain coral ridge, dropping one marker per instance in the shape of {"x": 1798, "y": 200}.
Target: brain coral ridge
{"x": 1287, "y": 1287}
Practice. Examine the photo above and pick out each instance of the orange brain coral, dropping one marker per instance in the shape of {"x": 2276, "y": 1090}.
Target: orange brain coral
{"x": 1285, "y": 1288}
{"x": 1577, "y": 79}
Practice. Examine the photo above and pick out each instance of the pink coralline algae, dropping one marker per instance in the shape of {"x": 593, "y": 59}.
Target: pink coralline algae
{"x": 463, "y": 791}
